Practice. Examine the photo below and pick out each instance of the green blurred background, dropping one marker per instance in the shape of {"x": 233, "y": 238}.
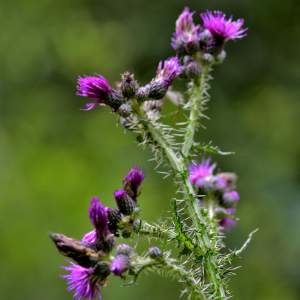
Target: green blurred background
{"x": 54, "y": 157}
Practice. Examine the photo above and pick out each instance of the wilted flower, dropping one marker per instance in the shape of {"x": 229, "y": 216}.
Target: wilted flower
{"x": 221, "y": 27}
{"x": 186, "y": 36}
{"x": 82, "y": 282}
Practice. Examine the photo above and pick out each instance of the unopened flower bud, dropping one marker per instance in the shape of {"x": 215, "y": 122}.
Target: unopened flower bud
{"x": 230, "y": 199}
{"x": 128, "y": 85}
{"x": 114, "y": 217}
{"x": 124, "y": 110}
{"x": 191, "y": 69}
{"x": 125, "y": 203}
{"x": 124, "y": 249}
{"x": 157, "y": 89}
{"x": 120, "y": 264}
{"x": 142, "y": 93}
{"x": 155, "y": 252}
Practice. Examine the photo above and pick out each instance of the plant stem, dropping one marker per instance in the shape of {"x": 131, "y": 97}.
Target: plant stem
{"x": 198, "y": 94}
{"x": 200, "y": 220}
{"x": 155, "y": 231}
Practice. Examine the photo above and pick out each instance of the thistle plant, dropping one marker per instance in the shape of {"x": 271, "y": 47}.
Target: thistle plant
{"x": 188, "y": 245}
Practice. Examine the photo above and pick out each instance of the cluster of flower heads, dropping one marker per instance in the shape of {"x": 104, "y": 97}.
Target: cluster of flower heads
{"x": 195, "y": 45}
{"x": 216, "y": 189}
{"x": 92, "y": 254}
{"x": 208, "y": 37}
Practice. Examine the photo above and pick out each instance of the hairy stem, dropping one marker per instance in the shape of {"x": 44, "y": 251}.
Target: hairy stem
{"x": 154, "y": 231}
{"x": 200, "y": 220}
{"x": 198, "y": 96}
{"x": 168, "y": 266}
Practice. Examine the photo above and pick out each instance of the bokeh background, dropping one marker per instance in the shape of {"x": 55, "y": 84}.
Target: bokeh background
{"x": 54, "y": 157}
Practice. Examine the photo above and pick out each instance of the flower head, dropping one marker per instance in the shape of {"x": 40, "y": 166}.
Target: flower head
{"x": 96, "y": 88}
{"x": 120, "y": 264}
{"x": 200, "y": 174}
{"x": 125, "y": 204}
{"x": 167, "y": 70}
{"x": 114, "y": 217}
{"x": 82, "y": 282}
{"x": 132, "y": 181}
{"x": 186, "y": 35}
{"x": 222, "y": 27}
{"x": 98, "y": 216}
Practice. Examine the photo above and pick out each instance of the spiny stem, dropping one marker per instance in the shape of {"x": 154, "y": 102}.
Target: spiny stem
{"x": 177, "y": 162}
{"x": 155, "y": 231}
{"x": 171, "y": 267}
{"x": 198, "y": 94}
{"x": 186, "y": 277}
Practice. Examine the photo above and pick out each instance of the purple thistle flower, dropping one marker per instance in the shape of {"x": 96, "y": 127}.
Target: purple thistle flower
{"x": 132, "y": 181}
{"x": 89, "y": 238}
{"x": 187, "y": 35}
{"x": 200, "y": 174}
{"x": 167, "y": 70}
{"x": 98, "y": 216}
{"x": 82, "y": 282}
{"x": 96, "y": 88}
{"x": 222, "y": 27}
{"x": 120, "y": 264}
